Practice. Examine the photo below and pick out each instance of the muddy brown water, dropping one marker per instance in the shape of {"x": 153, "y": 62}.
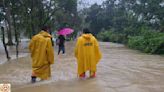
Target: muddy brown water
{"x": 120, "y": 70}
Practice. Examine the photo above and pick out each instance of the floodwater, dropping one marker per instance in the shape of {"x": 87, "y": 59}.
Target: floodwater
{"x": 12, "y": 51}
{"x": 120, "y": 70}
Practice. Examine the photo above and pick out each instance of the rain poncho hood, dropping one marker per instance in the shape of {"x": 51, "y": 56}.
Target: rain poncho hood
{"x": 87, "y": 36}
{"x": 45, "y": 34}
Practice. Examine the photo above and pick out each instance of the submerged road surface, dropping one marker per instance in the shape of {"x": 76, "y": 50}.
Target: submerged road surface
{"x": 120, "y": 70}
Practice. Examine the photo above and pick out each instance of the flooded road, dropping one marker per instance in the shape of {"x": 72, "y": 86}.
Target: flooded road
{"x": 120, "y": 70}
{"x": 12, "y": 51}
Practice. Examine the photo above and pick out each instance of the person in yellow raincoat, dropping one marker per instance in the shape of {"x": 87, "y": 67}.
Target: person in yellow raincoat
{"x": 42, "y": 54}
{"x": 87, "y": 53}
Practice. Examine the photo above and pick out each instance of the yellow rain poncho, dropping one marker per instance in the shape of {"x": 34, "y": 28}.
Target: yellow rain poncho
{"x": 87, "y": 53}
{"x": 42, "y": 54}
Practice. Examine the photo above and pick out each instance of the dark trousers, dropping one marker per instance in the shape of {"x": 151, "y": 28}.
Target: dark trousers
{"x": 61, "y": 48}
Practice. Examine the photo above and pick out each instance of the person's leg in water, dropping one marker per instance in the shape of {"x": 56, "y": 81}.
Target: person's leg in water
{"x": 59, "y": 50}
{"x": 63, "y": 49}
{"x": 82, "y": 76}
{"x": 33, "y": 77}
{"x": 92, "y": 74}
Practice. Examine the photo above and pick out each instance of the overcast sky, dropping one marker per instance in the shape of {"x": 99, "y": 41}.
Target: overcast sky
{"x": 95, "y": 1}
{"x": 87, "y": 3}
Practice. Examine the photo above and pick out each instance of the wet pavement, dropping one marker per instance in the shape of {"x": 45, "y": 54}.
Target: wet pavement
{"x": 120, "y": 70}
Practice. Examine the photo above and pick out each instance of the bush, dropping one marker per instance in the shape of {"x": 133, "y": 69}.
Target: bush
{"x": 149, "y": 42}
{"x": 112, "y": 37}
{"x": 104, "y": 36}
{"x": 145, "y": 40}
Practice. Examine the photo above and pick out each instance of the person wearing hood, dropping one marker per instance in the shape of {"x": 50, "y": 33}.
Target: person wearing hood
{"x": 87, "y": 53}
{"x": 42, "y": 54}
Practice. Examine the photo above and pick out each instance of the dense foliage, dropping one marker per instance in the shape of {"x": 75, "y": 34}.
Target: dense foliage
{"x": 137, "y": 23}
{"x": 149, "y": 42}
{"x": 130, "y": 22}
{"x": 28, "y": 16}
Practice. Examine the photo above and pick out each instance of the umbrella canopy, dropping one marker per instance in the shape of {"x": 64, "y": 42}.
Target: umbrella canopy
{"x": 65, "y": 31}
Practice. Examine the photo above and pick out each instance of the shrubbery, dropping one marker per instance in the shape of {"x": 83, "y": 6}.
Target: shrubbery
{"x": 112, "y": 37}
{"x": 147, "y": 41}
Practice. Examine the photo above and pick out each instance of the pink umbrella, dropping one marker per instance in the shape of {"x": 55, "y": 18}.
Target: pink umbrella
{"x": 65, "y": 31}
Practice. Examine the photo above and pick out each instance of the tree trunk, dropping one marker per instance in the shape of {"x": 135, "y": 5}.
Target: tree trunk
{"x": 8, "y": 18}
{"x": 32, "y": 20}
{"x": 17, "y": 43}
{"x": 51, "y": 38}
{"x": 16, "y": 36}
{"x": 3, "y": 40}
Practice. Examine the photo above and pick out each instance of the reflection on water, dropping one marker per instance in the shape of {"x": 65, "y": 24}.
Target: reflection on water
{"x": 120, "y": 70}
